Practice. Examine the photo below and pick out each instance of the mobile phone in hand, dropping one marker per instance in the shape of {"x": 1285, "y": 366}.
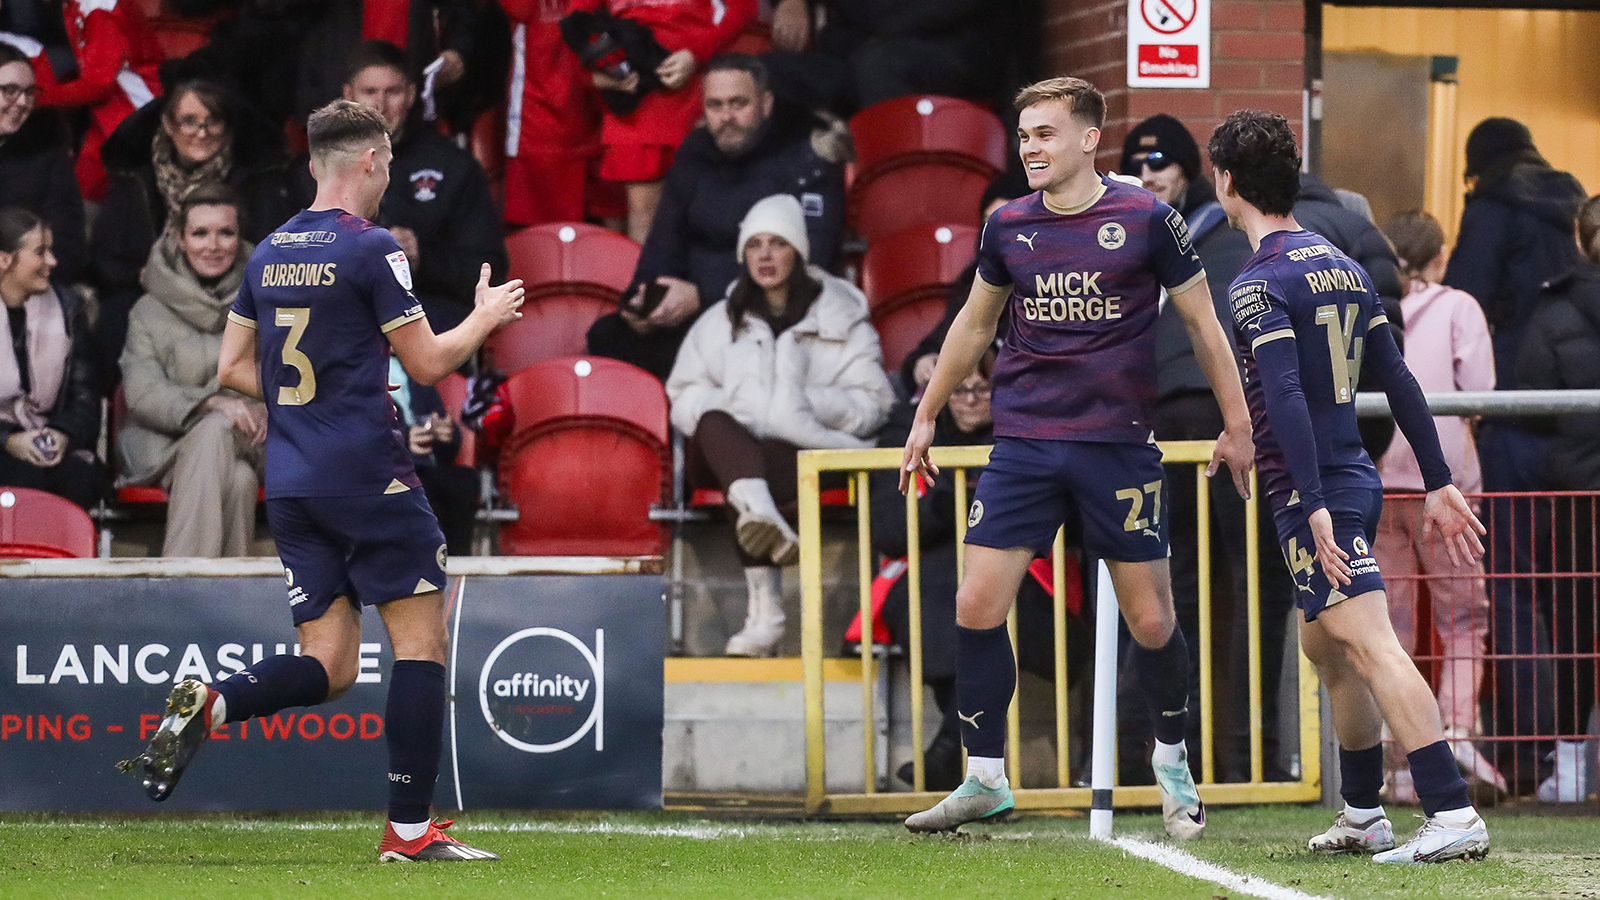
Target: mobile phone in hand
{"x": 649, "y": 297}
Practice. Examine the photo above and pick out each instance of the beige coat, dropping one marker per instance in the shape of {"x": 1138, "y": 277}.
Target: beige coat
{"x": 169, "y": 364}
{"x": 818, "y": 385}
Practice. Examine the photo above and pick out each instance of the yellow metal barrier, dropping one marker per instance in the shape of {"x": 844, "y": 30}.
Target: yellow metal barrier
{"x": 953, "y": 463}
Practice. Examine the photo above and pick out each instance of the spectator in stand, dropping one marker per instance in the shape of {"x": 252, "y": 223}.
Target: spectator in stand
{"x": 49, "y": 410}
{"x": 788, "y": 361}
{"x": 438, "y": 205}
{"x": 748, "y": 148}
{"x": 36, "y": 169}
{"x": 198, "y": 133}
{"x": 1558, "y": 352}
{"x": 434, "y": 440}
{"x": 966, "y": 421}
{"x": 36, "y": 27}
{"x": 255, "y": 45}
{"x": 640, "y": 146}
{"x": 1515, "y": 234}
{"x": 918, "y": 366}
{"x": 1447, "y": 348}
{"x": 202, "y": 443}
{"x": 868, "y": 51}
{"x": 117, "y": 58}
{"x": 552, "y": 123}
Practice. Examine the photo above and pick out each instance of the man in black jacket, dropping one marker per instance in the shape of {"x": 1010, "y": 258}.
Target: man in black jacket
{"x": 36, "y": 168}
{"x": 1516, "y": 234}
{"x": 748, "y": 148}
{"x": 438, "y": 205}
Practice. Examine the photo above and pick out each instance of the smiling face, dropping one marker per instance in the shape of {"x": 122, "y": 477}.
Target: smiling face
{"x": 26, "y": 272}
{"x": 17, "y": 96}
{"x": 1054, "y": 145}
{"x": 770, "y": 260}
{"x": 211, "y": 239}
{"x": 197, "y": 133}
{"x": 385, "y": 90}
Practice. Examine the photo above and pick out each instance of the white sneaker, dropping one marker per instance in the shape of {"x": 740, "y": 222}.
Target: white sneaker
{"x": 760, "y": 528}
{"x": 1375, "y": 836}
{"x": 1475, "y": 768}
{"x": 1181, "y": 810}
{"x": 1569, "y": 783}
{"x": 1438, "y": 842}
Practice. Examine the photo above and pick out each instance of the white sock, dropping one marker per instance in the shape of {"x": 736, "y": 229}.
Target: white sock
{"x": 1457, "y": 818}
{"x": 219, "y": 711}
{"x": 991, "y": 770}
{"x": 1168, "y": 754}
{"x": 409, "y": 831}
{"x": 1360, "y": 815}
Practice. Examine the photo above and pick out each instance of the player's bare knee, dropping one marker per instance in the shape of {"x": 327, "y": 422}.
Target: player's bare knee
{"x": 978, "y": 608}
{"x": 1151, "y": 624}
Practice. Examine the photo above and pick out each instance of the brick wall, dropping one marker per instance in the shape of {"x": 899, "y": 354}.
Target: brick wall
{"x": 1257, "y": 60}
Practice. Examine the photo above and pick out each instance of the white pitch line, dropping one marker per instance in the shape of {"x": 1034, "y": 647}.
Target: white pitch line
{"x": 1187, "y": 864}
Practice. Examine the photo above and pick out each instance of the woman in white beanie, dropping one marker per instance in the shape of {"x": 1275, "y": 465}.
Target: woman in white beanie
{"x": 788, "y": 361}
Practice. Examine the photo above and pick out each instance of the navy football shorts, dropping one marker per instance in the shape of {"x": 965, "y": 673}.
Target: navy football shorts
{"x": 1031, "y": 486}
{"x": 369, "y": 549}
{"x": 1355, "y": 522}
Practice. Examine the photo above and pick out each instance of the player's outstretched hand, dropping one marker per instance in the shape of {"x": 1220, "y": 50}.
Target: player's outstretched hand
{"x": 501, "y": 301}
{"x": 1334, "y": 560}
{"x": 1447, "y": 512}
{"x": 1238, "y": 450}
{"x": 916, "y": 456}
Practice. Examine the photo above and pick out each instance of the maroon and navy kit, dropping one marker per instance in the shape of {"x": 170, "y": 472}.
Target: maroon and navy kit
{"x": 1076, "y": 375}
{"x": 343, "y": 499}
{"x": 1305, "y": 319}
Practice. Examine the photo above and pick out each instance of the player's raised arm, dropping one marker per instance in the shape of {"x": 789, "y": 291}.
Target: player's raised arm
{"x": 1444, "y": 509}
{"x": 429, "y": 357}
{"x": 1215, "y": 355}
{"x": 971, "y": 334}
{"x": 236, "y": 363}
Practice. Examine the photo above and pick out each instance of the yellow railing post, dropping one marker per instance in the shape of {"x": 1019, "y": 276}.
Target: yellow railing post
{"x": 810, "y": 503}
{"x": 919, "y": 763}
{"x": 869, "y": 766}
{"x": 1058, "y": 621}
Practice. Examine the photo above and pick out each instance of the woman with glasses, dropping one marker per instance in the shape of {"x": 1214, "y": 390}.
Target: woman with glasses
{"x": 36, "y": 161}
{"x": 197, "y": 134}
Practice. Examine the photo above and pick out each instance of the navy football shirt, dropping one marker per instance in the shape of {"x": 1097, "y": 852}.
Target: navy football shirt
{"x": 1304, "y": 315}
{"x": 1079, "y": 362}
{"x": 322, "y": 291}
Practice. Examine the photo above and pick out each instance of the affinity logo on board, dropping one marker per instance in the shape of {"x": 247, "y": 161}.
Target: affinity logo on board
{"x": 543, "y": 690}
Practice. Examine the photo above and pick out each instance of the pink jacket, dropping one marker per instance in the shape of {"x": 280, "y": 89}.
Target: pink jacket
{"x": 1447, "y": 349}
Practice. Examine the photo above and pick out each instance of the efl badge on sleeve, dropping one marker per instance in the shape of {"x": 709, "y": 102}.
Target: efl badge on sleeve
{"x": 401, "y": 268}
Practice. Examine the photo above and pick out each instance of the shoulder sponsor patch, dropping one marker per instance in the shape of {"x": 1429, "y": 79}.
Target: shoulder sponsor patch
{"x": 1247, "y": 299}
{"x": 400, "y": 267}
{"x": 1179, "y": 229}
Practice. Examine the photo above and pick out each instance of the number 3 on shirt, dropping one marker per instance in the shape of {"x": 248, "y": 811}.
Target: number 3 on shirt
{"x": 296, "y": 319}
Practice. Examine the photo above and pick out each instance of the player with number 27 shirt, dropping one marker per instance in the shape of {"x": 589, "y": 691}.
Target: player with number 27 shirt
{"x": 324, "y": 301}
{"x": 1305, "y": 320}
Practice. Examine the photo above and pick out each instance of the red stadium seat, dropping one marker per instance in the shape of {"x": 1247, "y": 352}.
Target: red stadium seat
{"x": 922, "y": 159}
{"x": 136, "y": 494}
{"x": 902, "y": 328}
{"x": 453, "y": 391}
{"x": 551, "y": 326}
{"x": 588, "y": 456}
{"x": 916, "y": 262}
{"x": 572, "y": 257}
{"x": 36, "y": 524}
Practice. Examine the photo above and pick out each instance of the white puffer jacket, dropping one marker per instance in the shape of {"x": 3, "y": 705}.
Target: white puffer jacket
{"x": 819, "y": 385}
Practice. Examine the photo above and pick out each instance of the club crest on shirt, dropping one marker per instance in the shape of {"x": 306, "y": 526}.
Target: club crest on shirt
{"x": 442, "y": 556}
{"x": 1112, "y": 236}
{"x": 976, "y": 515}
{"x": 426, "y": 183}
{"x": 1360, "y": 546}
{"x": 400, "y": 267}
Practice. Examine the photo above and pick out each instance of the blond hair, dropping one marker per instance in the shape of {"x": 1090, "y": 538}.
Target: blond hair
{"x": 1083, "y": 98}
{"x": 344, "y": 126}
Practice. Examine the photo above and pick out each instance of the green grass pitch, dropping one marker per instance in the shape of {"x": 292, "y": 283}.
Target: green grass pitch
{"x": 675, "y": 855}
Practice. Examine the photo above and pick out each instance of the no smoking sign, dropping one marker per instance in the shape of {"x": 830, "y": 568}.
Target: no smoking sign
{"x": 1169, "y": 43}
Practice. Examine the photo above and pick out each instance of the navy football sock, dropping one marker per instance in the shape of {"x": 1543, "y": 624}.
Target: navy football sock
{"x": 414, "y": 725}
{"x": 1438, "y": 780}
{"x": 986, "y": 677}
{"x": 1361, "y": 776}
{"x": 275, "y": 683}
{"x": 1164, "y": 677}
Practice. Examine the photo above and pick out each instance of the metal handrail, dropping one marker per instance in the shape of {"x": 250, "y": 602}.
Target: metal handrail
{"x": 1373, "y": 404}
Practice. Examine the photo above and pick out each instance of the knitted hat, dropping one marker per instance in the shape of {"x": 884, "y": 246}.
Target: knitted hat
{"x": 779, "y": 214}
{"x": 1167, "y": 135}
{"x": 1495, "y": 140}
